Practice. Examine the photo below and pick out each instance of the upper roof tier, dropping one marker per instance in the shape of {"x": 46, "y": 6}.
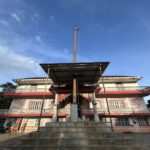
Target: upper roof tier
{"x": 106, "y": 79}
{"x": 85, "y": 73}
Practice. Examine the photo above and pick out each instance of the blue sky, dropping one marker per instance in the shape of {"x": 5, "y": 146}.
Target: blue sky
{"x": 39, "y": 31}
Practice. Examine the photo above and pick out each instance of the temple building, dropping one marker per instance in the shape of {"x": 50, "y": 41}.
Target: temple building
{"x": 116, "y": 100}
{"x": 78, "y": 92}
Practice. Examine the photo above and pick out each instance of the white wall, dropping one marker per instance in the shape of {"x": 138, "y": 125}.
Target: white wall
{"x": 132, "y": 104}
{"x": 137, "y": 104}
{"x": 114, "y": 85}
{"x": 17, "y": 103}
{"x": 28, "y": 87}
{"x": 24, "y": 103}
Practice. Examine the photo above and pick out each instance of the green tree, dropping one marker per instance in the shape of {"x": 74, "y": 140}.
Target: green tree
{"x": 5, "y": 101}
{"x": 6, "y": 86}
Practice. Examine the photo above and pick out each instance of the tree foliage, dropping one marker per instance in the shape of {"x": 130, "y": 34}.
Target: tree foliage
{"x": 148, "y": 105}
{"x": 6, "y": 86}
{"x": 5, "y": 101}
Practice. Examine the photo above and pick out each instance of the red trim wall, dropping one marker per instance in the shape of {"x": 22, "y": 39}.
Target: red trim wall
{"x": 30, "y": 115}
{"x": 101, "y": 93}
{"x": 29, "y": 94}
{"x": 87, "y": 114}
{"x": 120, "y": 114}
{"x": 125, "y": 92}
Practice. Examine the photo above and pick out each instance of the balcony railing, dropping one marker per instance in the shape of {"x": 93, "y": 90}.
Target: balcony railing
{"x": 25, "y": 111}
{"x": 112, "y": 111}
{"x": 125, "y": 91}
{"x": 27, "y": 90}
{"x": 143, "y": 88}
{"x": 133, "y": 88}
{"x": 29, "y": 111}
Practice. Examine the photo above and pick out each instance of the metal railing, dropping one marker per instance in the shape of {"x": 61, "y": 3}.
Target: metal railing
{"x": 25, "y": 111}
{"x": 126, "y": 88}
{"x": 142, "y": 88}
{"x": 112, "y": 110}
{"x": 67, "y": 110}
{"x": 89, "y": 110}
{"x": 31, "y": 111}
{"x": 26, "y": 90}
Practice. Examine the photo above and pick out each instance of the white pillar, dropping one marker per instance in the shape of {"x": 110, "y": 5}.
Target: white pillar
{"x": 96, "y": 117}
{"x": 55, "y": 109}
{"x": 90, "y": 104}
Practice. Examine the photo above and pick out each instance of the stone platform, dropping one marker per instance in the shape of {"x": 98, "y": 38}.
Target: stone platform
{"x": 76, "y": 136}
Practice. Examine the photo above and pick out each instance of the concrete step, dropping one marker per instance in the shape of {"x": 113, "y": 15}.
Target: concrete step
{"x": 76, "y": 136}
{"x": 75, "y": 124}
{"x": 75, "y": 129}
{"x": 94, "y": 147}
{"x": 76, "y": 142}
{"x": 67, "y": 134}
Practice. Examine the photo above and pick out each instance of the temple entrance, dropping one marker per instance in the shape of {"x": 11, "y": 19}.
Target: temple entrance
{"x": 75, "y": 80}
{"x": 83, "y": 104}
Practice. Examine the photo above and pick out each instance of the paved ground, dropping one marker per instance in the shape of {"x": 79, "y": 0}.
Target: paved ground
{"x": 5, "y": 137}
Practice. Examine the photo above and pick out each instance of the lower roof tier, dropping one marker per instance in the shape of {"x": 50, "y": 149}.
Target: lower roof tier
{"x": 106, "y": 79}
{"x": 84, "y": 73}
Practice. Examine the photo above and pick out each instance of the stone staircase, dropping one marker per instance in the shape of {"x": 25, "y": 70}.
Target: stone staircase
{"x": 76, "y": 136}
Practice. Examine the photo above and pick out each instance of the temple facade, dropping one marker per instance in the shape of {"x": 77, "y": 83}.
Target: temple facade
{"x": 119, "y": 100}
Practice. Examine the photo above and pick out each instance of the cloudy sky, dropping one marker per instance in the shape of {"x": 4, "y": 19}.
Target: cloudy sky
{"x": 39, "y": 31}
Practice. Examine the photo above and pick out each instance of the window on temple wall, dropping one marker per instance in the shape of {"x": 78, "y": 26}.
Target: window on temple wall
{"x": 142, "y": 121}
{"x": 122, "y": 121}
{"x": 117, "y": 104}
{"x": 35, "y": 105}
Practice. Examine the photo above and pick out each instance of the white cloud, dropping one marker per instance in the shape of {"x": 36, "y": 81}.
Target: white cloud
{"x": 4, "y": 22}
{"x": 16, "y": 17}
{"x": 15, "y": 65}
{"x": 52, "y": 19}
{"x": 38, "y": 38}
{"x": 17, "y": 56}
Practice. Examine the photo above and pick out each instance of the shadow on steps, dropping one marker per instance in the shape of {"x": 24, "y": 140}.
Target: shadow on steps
{"x": 77, "y": 136}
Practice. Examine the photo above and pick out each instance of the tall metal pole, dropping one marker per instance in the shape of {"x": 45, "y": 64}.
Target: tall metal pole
{"x": 75, "y": 29}
{"x": 40, "y": 117}
{"x": 109, "y": 114}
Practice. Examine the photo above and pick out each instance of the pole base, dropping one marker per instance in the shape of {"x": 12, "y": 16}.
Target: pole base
{"x": 74, "y": 113}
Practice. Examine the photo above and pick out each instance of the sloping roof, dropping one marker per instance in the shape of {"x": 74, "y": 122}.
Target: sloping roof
{"x": 106, "y": 78}
{"x": 32, "y": 80}
{"x": 64, "y": 73}
{"x": 112, "y": 79}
